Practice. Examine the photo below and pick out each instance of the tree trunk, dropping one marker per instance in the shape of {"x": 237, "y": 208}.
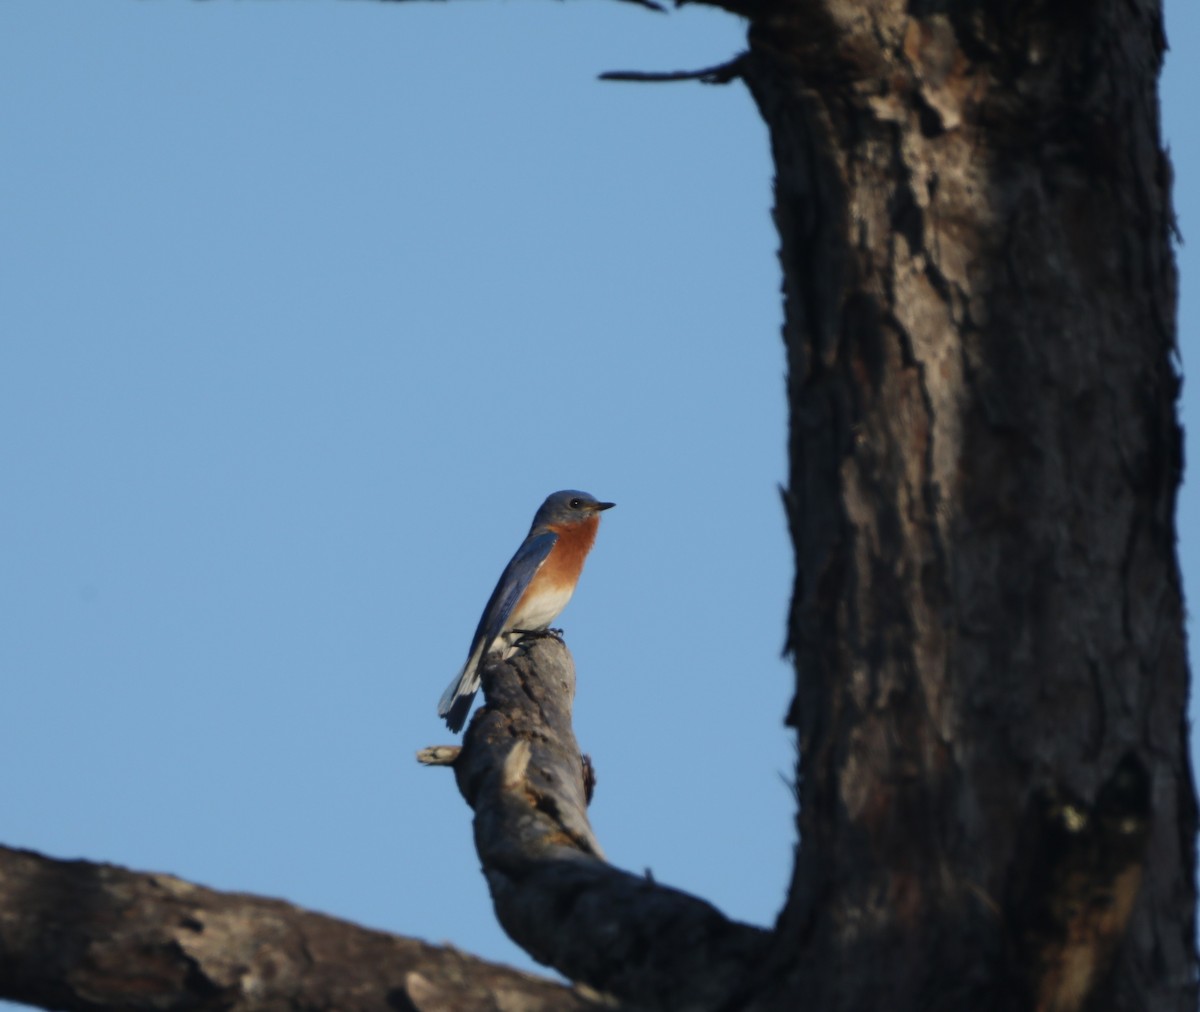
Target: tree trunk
{"x": 987, "y": 624}
{"x": 996, "y": 807}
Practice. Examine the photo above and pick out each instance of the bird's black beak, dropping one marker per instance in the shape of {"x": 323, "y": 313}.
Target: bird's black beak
{"x": 603, "y": 506}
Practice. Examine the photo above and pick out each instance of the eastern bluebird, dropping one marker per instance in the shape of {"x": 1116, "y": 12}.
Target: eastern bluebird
{"x": 535, "y": 586}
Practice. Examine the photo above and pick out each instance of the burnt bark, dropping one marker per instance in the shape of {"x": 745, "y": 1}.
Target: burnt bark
{"x": 974, "y": 211}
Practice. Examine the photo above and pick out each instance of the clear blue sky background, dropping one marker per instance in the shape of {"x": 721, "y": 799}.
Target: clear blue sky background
{"x": 304, "y": 307}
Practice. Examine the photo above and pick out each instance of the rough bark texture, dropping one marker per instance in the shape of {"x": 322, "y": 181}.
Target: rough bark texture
{"x": 522, "y": 772}
{"x": 974, "y": 212}
{"x": 82, "y": 936}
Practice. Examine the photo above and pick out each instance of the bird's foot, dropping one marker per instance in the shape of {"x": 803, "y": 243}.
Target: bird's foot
{"x": 538, "y": 633}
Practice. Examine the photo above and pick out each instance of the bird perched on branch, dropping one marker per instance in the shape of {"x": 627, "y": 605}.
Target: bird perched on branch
{"x": 535, "y": 586}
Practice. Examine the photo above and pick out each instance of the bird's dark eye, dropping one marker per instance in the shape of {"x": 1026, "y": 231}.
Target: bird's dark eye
{"x": 575, "y": 503}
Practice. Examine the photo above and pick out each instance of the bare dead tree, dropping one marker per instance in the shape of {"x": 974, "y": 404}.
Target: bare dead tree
{"x": 996, "y": 808}
{"x": 974, "y": 210}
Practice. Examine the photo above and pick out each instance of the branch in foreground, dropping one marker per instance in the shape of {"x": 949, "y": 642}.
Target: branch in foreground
{"x": 521, "y": 771}
{"x": 92, "y": 937}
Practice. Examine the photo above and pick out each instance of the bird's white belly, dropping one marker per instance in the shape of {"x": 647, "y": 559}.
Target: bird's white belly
{"x": 537, "y": 611}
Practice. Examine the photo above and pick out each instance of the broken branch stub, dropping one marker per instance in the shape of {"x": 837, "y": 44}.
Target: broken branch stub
{"x": 522, "y": 772}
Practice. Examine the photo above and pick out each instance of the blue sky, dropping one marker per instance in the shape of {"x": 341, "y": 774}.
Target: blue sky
{"x": 305, "y": 307}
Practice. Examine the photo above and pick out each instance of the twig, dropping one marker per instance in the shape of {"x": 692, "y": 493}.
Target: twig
{"x": 722, "y": 73}
{"x": 650, "y": 5}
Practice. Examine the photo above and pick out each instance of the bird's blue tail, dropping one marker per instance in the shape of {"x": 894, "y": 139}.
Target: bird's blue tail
{"x": 456, "y": 701}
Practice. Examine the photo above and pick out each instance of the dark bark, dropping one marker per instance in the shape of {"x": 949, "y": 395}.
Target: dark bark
{"x": 974, "y": 212}
{"x": 89, "y": 937}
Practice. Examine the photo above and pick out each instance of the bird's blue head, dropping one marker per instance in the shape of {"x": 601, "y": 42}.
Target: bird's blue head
{"x": 568, "y": 507}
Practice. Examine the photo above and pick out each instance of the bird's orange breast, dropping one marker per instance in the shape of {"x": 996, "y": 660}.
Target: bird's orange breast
{"x": 565, "y": 563}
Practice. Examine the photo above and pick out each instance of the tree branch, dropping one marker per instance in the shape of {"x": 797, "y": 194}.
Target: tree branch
{"x": 521, "y": 771}
{"x": 91, "y": 937}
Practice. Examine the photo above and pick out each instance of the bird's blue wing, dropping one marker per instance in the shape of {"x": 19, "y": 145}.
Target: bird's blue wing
{"x": 514, "y": 581}
{"x": 456, "y": 700}
{"x": 455, "y": 703}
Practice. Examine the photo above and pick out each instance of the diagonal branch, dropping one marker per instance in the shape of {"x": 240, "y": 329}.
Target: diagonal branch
{"x": 93, "y": 937}
{"x": 521, "y": 771}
